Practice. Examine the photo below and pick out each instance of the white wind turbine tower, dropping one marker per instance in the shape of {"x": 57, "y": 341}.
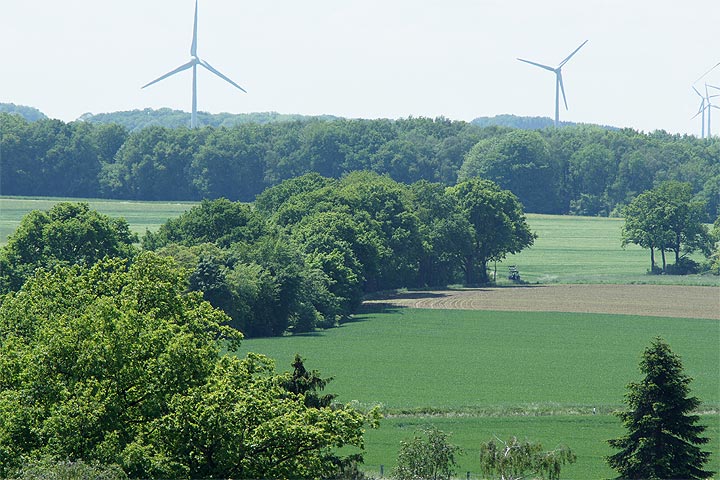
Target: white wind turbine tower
{"x": 558, "y": 80}
{"x": 710, "y": 106}
{"x": 706, "y": 104}
{"x": 193, "y": 63}
{"x": 701, "y": 110}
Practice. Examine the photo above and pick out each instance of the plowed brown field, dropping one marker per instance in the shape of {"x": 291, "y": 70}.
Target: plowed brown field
{"x": 647, "y": 300}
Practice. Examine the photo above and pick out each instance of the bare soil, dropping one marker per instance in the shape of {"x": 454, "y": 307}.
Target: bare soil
{"x": 647, "y": 300}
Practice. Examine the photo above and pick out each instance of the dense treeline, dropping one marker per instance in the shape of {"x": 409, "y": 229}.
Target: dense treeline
{"x": 305, "y": 253}
{"x": 135, "y": 120}
{"x": 578, "y": 170}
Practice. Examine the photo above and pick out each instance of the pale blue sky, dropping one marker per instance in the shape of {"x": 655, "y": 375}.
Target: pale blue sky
{"x": 369, "y": 58}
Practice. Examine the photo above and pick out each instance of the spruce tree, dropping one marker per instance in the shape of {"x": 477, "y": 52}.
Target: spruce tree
{"x": 663, "y": 435}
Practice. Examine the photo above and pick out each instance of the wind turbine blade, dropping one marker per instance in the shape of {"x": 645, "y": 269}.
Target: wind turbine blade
{"x": 193, "y": 47}
{"x": 538, "y": 65}
{"x": 213, "y": 70}
{"x": 712, "y": 86}
{"x": 573, "y": 53}
{"x": 703, "y": 75}
{"x": 562, "y": 88}
{"x": 696, "y": 91}
{"x": 179, "y": 69}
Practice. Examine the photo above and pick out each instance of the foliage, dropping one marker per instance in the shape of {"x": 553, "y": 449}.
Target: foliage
{"x": 46, "y": 469}
{"x": 514, "y": 460}
{"x": 28, "y": 113}
{"x": 219, "y": 221}
{"x": 579, "y": 169}
{"x": 667, "y": 218}
{"x": 662, "y": 433}
{"x": 498, "y": 223}
{"x": 308, "y": 384}
{"x": 242, "y": 424}
{"x": 136, "y": 120}
{"x": 118, "y": 364}
{"x": 518, "y": 161}
{"x": 429, "y": 456}
{"x": 67, "y": 234}
{"x": 715, "y": 257}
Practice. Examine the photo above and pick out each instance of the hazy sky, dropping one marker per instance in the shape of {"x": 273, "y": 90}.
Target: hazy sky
{"x": 367, "y": 58}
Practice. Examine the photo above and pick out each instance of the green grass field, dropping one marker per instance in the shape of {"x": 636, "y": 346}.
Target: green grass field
{"x": 141, "y": 216}
{"x": 477, "y": 374}
{"x": 588, "y": 250}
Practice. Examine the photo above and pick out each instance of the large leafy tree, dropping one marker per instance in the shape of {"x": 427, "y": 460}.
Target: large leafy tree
{"x": 498, "y": 223}
{"x": 519, "y": 161}
{"x": 67, "y": 234}
{"x": 667, "y": 218}
{"x": 447, "y": 235}
{"x": 120, "y": 365}
{"x": 663, "y": 435}
{"x": 219, "y": 221}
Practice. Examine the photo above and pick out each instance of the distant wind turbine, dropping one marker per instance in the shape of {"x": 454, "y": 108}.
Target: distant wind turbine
{"x": 706, "y": 104}
{"x": 193, "y": 63}
{"x": 558, "y": 80}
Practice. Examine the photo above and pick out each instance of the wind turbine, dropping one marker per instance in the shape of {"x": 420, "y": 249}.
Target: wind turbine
{"x": 706, "y": 104}
{"x": 710, "y": 106}
{"x": 558, "y": 80}
{"x": 193, "y": 63}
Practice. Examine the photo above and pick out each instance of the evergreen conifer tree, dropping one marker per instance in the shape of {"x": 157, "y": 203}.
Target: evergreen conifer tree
{"x": 663, "y": 436}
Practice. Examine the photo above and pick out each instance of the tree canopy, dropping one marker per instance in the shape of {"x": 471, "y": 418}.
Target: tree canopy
{"x": 667, "y": 218}
{"x": 119, "y": 364}
{"x": 67, "y": 234}
{"x": 579, "y": 169}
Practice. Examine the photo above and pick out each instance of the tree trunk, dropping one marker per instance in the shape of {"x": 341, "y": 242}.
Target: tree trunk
{"x": 482, "y": 273}
{"x": 662, "y": 250}
{"x": 469, "y": 270}
{"x": 652, "y": 259}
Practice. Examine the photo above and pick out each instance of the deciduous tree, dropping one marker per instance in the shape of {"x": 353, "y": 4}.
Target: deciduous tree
{"x": 67, "y": 234}
{"x": 498, "y": 222}
{"x": 120, "y": 365}
{"x": 428, "y": 456}
{"x": 515, "y": 460}
{"x": 667, "y": 218}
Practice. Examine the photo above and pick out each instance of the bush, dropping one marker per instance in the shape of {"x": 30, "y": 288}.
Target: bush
{"x": 685, "y": 266}
{"x": 65, "y": 470}
{"x": 429, "y": 457}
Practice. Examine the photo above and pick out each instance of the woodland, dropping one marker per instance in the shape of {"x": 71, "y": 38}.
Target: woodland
{"x": 579, "y": 170}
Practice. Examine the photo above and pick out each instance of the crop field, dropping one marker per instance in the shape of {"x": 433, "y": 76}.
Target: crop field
{"x": 588, "y": 250}
{"x": 141, "y": 216}
{"x": 483, "y": 373}
{"x": 656, "y": 300}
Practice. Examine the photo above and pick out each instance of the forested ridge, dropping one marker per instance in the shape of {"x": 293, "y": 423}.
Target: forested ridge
{"x": 586, "y": 170}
